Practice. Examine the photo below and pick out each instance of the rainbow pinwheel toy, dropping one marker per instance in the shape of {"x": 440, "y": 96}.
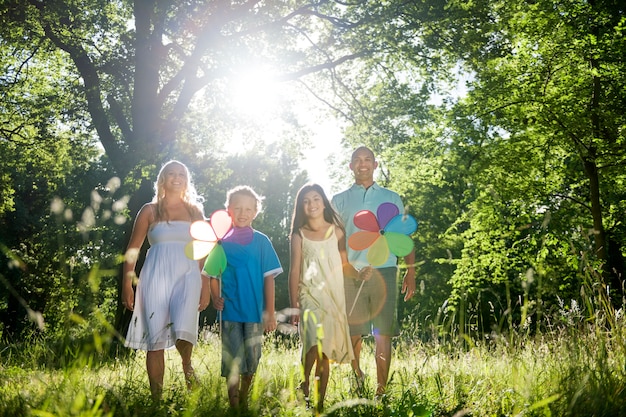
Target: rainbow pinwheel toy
{"x": 208, "y": 238}
{"x": 387, "y": 231}
{"x": 383, "y": 232}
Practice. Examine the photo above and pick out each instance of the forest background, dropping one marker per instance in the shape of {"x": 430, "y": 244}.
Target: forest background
{"x": 517, "y": 182}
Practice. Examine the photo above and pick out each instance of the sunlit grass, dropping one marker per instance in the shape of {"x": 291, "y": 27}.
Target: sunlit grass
{"x": 562, "y": 373}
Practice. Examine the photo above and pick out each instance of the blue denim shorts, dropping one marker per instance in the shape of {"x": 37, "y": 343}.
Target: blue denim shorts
{"x": 241, "y": 347}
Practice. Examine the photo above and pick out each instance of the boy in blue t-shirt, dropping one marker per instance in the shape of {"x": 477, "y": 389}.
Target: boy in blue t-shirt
{"x": 247, "y": 296}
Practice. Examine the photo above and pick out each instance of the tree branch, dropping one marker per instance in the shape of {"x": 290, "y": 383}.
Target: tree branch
{"x": 95, "y": 106}
{"x": 320, "y": 67}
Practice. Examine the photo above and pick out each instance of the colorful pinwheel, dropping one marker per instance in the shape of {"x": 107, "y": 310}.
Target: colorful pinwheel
{"x": 208, "y": 238}
{"x": 387, "y": 231}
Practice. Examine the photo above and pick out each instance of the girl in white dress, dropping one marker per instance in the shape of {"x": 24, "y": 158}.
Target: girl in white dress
{"x": 316, "y": 288}
{"x": 170, "y": 290}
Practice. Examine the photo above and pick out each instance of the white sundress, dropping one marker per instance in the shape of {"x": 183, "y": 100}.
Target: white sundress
{"x": 168, "y": 293}
{"x": 323, "y": 320}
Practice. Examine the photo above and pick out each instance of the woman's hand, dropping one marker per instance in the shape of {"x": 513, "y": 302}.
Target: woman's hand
{"x": 205, "y": 294}
{"x": 128, "y": 297}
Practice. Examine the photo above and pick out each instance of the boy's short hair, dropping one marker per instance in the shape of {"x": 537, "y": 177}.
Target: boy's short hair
{"x": 245, "y": 190}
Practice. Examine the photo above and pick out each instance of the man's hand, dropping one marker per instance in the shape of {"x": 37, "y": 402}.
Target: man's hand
{"x": 408, "y": 284}
{"x": 365, "y": 273}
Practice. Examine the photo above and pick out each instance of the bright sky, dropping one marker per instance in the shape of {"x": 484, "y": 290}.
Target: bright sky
{"x": 326, "y": 149}
{"x": 259, "y": 98}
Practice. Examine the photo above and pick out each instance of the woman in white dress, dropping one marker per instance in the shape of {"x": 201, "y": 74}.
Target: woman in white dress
{"x": 170, "y": 290}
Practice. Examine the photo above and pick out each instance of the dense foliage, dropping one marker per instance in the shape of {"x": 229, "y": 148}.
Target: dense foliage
{"x": 519, "y": 181}
{"x": 501, "y": 124}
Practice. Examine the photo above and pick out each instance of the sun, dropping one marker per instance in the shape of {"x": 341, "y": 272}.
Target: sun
{"x": 257, "y": 95}
{"x": 255, "y": 92}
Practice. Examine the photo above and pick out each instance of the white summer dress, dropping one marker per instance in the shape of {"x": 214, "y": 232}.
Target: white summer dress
{"x": 323, "y": 317}
{"x": 168, "y": 293}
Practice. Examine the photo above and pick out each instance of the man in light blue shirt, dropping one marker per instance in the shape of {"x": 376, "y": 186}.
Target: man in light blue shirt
{"x": 372, "y": 304}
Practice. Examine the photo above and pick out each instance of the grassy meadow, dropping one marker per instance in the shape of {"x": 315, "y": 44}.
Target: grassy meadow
{"x": 570, "y": 371}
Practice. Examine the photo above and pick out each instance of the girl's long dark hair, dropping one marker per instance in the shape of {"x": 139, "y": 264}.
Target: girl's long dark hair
{"x": 299, "y": 218}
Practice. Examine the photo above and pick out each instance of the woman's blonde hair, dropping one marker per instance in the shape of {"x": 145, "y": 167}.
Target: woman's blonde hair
{"x": 191, "y": 199}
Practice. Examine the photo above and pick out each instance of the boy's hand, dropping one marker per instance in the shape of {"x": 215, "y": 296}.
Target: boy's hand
{"x": 218, "y": 303}
{"x": 269, "y": 321}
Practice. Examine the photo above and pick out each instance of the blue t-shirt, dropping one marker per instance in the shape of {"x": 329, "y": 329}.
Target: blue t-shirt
{"x": 242, "y": 281}
{"x": 357, "y": 198}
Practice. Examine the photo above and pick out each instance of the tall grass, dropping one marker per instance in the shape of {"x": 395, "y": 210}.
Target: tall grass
{"x": 575, "y": 365}
{"x": 569, "y": 371}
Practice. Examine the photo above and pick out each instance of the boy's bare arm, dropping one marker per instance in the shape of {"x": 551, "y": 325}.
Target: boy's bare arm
{"x": 269, "y": 315}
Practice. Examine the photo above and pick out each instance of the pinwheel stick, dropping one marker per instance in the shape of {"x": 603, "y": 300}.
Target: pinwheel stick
{"x": 356, "y": 298}
{"x": 219, "y": 313}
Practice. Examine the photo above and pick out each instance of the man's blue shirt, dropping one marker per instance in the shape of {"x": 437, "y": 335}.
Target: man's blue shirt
{"x": 357, "y": 198}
